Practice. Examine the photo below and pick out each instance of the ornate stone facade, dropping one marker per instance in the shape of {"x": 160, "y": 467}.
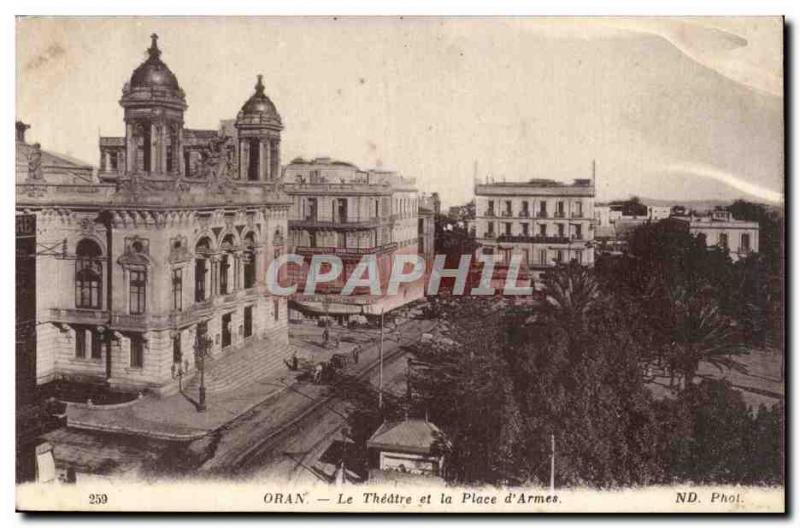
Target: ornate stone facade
{"x": 170, "y": 237}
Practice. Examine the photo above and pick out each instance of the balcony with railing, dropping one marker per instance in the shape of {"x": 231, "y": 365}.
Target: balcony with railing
{"x": 535, "y": 239}
{"x": 338, "y": 223}
{"x": 346, "y": 252}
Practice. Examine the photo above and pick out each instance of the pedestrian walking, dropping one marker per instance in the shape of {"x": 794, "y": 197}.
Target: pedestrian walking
{"x": 294, "y": 360}
{"x": 318, "y": 373}
{"x": 356, "y": 352}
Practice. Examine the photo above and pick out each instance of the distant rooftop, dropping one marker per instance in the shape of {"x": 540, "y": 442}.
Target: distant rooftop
{"x": 537, "y": 186}
{"x": 411, "y": 435}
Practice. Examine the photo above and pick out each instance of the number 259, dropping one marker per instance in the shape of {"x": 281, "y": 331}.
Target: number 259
{"x": 98, "y": 498}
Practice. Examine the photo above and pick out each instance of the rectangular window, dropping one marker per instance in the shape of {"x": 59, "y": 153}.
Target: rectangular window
{"x": 491, "y": 228}
{"x": 543, "y": 230}
{"x": 508, "y": 207}
{"x": 579, "y": 256}
{"x": 276, "y": 309}
{"x": 177, "y": 290}
{"x": 137, "y": 351}
{"x": 507, "y": 226}
{"x": 560, "y": 230}
{"x": 311, "y": 211}
{"x": 97, "y": 345}
{"x": 559, "y": 256}
{"x": 490, "y": 212}
{"x": 138, "y": 285}
{"x": 200, "y": 280}
{"x": 248, "y": 321}
{"x": 560, "y": 209}
{"x": 578, "y": 232}
{"x": 723, "y": 240}
{"x": 340, "y": 211}
{"x": 543, "y": 257}
{"x": 525, "y": 231}
{"x": 543, "y": 209}
{"x": 80, "y": 343}
{"x": 745, "y": 245}
{"x": 579, "y": 209}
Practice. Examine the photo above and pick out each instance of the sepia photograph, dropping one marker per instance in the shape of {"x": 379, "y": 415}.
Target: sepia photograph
{"x": 400, "y": 264}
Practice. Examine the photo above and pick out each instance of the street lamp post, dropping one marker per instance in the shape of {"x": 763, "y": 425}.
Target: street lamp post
{"x": 201, "y": 345}
{"x": 380, "y": 374}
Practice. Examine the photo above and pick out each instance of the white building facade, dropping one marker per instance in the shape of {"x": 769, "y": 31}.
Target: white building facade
{"x": 545, "y": 221}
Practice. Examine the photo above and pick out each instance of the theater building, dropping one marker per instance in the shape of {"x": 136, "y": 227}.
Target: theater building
{"x": 169, "y": 239}
{"x": 339, "y": 209}
{"x": 546, "y": 222}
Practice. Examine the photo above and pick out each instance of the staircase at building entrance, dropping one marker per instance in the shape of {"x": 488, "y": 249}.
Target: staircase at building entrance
{"x": 238, "y": 368}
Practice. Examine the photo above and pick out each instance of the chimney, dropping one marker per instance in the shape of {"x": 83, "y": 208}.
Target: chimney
{"x": 21, "y": 128}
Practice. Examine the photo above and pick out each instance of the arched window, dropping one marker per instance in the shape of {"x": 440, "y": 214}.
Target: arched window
{"x": 88, "y": 275}
{"x": 225, "y": 265}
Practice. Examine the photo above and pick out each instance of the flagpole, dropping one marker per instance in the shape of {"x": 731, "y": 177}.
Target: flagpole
{"x": 552, "y": 464}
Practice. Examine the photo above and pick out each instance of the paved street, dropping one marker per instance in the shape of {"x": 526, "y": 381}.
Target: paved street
{"x": 295, "y": 455}
{"x": 254, "y": 434}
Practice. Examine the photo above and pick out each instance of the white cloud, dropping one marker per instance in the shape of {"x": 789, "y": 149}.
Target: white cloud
{"x": 737, "y": 182}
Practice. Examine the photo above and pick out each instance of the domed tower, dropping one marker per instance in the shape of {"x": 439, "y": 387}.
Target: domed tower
{"x": 154, "y": 104}
{"x": 259, "y": 129}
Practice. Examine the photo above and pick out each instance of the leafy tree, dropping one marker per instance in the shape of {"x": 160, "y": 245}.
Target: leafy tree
{"x": 714, "y": 438}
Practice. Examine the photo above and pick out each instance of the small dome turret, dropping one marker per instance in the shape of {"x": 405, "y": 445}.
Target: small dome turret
{"x": 259, "y": 108}
{"x": 153, "y": 72}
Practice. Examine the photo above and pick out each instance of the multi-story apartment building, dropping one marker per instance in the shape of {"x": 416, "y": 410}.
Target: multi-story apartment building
{"x": 339, "y": 209}
{"x": 169, "y": 241}
{"x": 545, "y": 221}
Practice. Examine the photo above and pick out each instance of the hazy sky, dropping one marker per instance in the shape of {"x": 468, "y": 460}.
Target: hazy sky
{"x": 675, "y": 108}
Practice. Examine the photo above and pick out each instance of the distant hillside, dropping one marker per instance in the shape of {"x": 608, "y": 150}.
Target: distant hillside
{"x": 699, "y": 205}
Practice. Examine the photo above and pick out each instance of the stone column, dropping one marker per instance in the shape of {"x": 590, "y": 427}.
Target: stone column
{"x": 163, "y": 138}
{"x": 237, "y": 271}
{"x": 261, "y": 163}
{"x": 207, "y": 279}
{"x": 177, "y": 150}
{"x": 130, "y": 148}
{"x": 275, "y": 159}
{"x": 244, "y": 159}
{"x": 267, "y": 159}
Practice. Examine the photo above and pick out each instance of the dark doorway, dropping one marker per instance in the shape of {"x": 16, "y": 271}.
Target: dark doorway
{"x": 226, "y": 330}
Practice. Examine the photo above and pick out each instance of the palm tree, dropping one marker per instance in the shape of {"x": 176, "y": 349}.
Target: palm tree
{"x": 570, "y": 292}
{"x": 700, "y": 333}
